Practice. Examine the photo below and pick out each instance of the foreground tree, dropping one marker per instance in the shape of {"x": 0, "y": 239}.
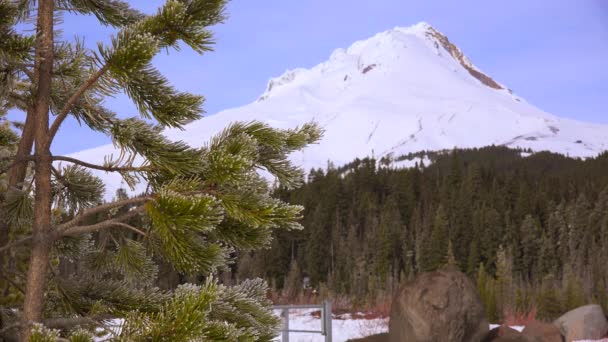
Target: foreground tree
{"x": 199, "y": 205}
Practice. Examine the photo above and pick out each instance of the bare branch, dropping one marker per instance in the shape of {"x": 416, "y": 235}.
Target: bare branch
{"x": 15, "y": 161}
{"x": 11, "y": 282}
{"x": 73, "y": 99}
{"x": 117, "y": 221}
{"x": 100, "y": 167}
{"x": 77, "y": 230}
{"x": 15, "y": 244}
{"x": 68, "y": 323}
{"x": 8, "y": 328}
{"x": 28, "y": 72}
{"x": 101, "y": 208}
{"x": 130, "y": 227}
{"x": 7, "y": 167}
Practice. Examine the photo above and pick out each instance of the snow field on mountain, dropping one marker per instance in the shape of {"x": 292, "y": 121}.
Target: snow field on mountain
{"x": 400, "y": 91}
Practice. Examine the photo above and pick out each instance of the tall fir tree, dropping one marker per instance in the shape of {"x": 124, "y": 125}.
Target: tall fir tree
{"x": 437, "y": 244}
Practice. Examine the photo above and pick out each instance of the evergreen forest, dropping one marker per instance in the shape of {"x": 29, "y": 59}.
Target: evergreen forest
{"x": 531, "y": 230}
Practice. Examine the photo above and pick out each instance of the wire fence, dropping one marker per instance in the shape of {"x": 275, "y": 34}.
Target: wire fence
{"x": 326, "y": 320}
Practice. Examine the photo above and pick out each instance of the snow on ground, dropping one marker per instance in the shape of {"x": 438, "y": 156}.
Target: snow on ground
{"x": 519, "y": 328}
{"x": 344, "y": 327}
{"x": 410, "y": 163}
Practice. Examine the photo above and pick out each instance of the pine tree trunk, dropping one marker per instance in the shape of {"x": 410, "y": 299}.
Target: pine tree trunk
{"x": 41, "y": 230}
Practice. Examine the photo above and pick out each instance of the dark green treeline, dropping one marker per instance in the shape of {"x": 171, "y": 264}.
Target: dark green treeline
{"x": 531, "y": 231}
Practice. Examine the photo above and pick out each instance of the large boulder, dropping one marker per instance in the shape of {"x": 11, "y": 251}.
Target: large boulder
{"x": 542, "y": 332}
{"x": 505, "y": 334}
{"x": 373, "y": 338}
{"x": 441, "y": 306}
{"x": 585, "y": 323}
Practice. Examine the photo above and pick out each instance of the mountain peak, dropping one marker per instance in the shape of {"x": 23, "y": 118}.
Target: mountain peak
{"x": 456, "y": 53}
{"x": 390, "y": 50}
{"x": 402, "y": 91}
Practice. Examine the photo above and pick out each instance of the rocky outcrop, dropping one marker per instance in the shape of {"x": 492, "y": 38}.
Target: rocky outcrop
{"x": 584, "y": 323}
{"x": 542, "y": 332}
{"x": 461, "y": 58}
{"x": 441, "y": 306}
{"x": 373, "y": 338}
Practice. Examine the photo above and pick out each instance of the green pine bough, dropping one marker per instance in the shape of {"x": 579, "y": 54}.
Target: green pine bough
{"x": 72, "y": 264}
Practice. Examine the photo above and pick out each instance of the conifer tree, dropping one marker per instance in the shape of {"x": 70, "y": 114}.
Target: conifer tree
{"x": 201, "y": 203}
{"x": 504, "y": 279}
{"x": 486, "y": 288}
{"x": 529, "y": 248}
{"x": 438, "y": 243}
{"x": 573, "y": 292}
{"x": 548, "y": 299}
{"x": 451, "y": 259}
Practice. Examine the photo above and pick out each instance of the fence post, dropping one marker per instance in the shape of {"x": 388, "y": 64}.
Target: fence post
{"x": 285, "y": 334}
{"x": 327, "y": 320}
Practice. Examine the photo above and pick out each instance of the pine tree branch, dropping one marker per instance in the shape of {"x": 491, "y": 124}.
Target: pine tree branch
{"x": 77, "y": 230}
{"x": 11, "y": 282}
{"x": 69, "y": 323}
{"x": 101, "y": 208}
{"x": 8, "y": 328}
{"x": 100, "y": 167}
{"x": 73, "y": 99}
{"x": 18, "y": 172}
{"x": 15, "y": 160}
{"x": 28, "y": 73}
{"x": 117, "y": 221}
{"x": 130, "y": 227}
{"x": 7, "y": 167}
{"x": 15, "y": 244}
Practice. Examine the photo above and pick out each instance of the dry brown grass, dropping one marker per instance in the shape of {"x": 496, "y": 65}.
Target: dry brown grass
{"x": 513, "y": 317}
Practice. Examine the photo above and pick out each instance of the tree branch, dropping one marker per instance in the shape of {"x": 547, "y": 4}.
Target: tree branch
{"x": 15, "y": 161}
{"x": 77, "y": 230}
{"x": 73, "y": 99}
{"x": 68, "y": 323}
{"x": 4, "y": 331}
{"x": 11, "y": 282}
{"x": 15, "y": 244}
{"x": 100, "y": 167}
{"x": 7, "y": 167}
{"x": 68, "y": 230}
{"x": 101, "y": 208}
{"x": 130, "y": 227}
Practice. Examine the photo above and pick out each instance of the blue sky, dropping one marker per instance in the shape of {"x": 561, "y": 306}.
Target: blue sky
{"x": 552, "y": 53}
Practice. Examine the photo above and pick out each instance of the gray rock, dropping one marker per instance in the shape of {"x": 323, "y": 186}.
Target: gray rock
{"x": 542, "y": 332}
{"x": 586, "y": 322}
{"x": 504, "y": 333}
{"x": 373, "y": 338}
{"x": 441, "y": 306}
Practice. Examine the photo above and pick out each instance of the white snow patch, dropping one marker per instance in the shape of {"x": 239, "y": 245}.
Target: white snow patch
{"x": 410, "y": 163}
{"x": 344, "y": 327}
{"x": 519, "y": 328}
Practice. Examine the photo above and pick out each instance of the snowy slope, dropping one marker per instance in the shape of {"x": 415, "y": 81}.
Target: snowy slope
{"x": 400, "y": 91}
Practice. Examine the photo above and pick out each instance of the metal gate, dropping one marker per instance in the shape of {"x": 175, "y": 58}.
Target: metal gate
{"x": 325, "y": 320}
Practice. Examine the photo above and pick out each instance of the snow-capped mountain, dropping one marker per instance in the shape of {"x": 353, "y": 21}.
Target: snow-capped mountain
{"x": 400, "y": 91}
